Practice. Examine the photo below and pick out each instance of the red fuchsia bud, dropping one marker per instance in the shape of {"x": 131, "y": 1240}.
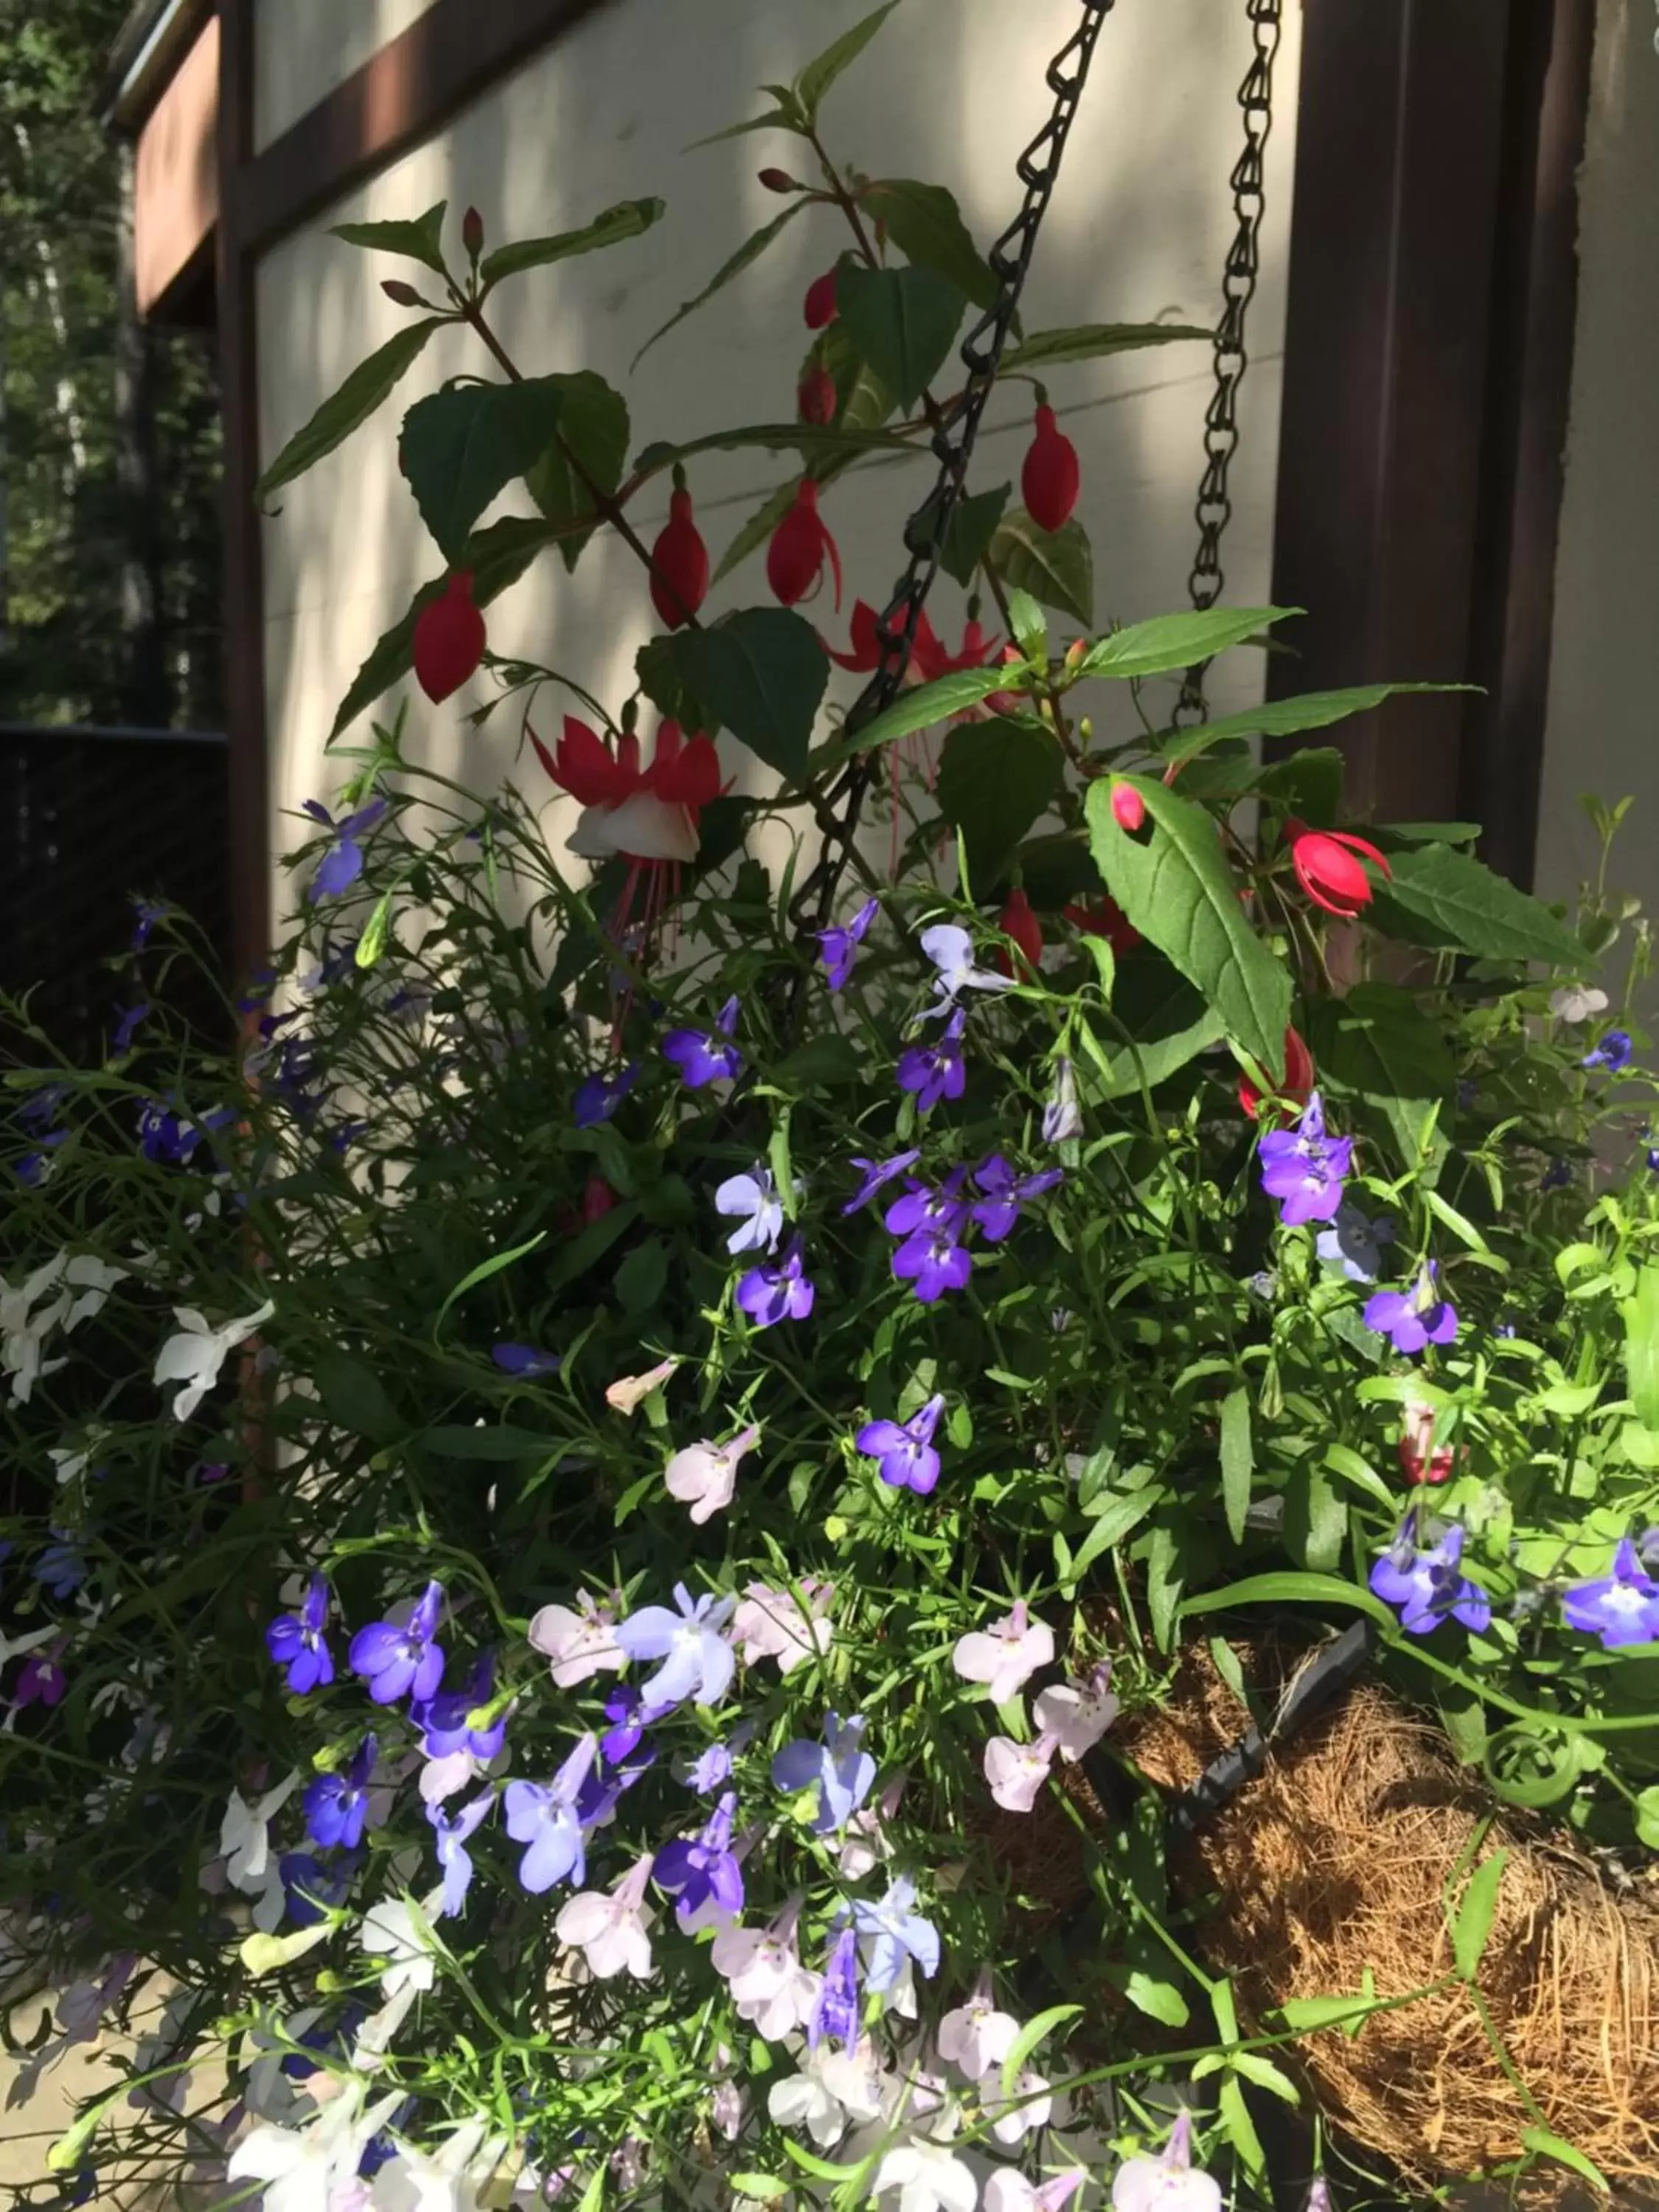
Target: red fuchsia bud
{"x": 449, "y": 638}
{"x": 818, "y": 399}
{"x": 819, "y": 305}
{"x": 597, "y": 1198}
{"x": 679, "y": 565}
{"x": 1007, "y": 702}
{"x": 1050, "y": 479}
{"x": 1328, "y": 866}
{"x": 1018, "y": 921}
{"x": 406, "y": 296}
{"x": 795, "y": 557}
{"x": 1419, "y": 1460}
{"x": 472, "y": 233}
{"x": 780, "y": 180}
{"x": 1298, "y": 1086}
{"x": 1129, "y": 807}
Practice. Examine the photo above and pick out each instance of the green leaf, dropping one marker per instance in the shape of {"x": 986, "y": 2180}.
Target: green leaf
{"x": 1646, "y": 1809}
{"x": 1150, "y": 1992}
{"x": 996, "y": 779}
{"x": 483, "y": 1271}
{"x": 1283, "y": 718}
{"x": 1029, "y": 624}
{"x": 354, "y": 1398}
{"x": 1178, "y": 891}
{"x": 1377, "y": 1045}
{"x": 863, "y": 402}
{"x": 816, "y": 442}
{"x": 1171, "y": 643}
{"x": 1237, "y": 1460}
{"x": 775, "y": 119}
{"x": 750, "y": 251}
{"x": 1307, "y": 2015}
{"x": 919, "y": 708}
{"x": 500, "y": 1442}
{"x": 1054, "y": 565}
{"x": 969, "y": 533}
{"x": 1238, "y": 2127}
{"x": 658, "y": 668}
{"x": 821, "y": 1063}
{"x": 1316, "y": 1517}
{"x": 926, "y": 224}
{"x": 628, "y": 219}
{"x": 901, "y": 323}
{"x": 1463, "y": 1714}
{"x": 1641, "y": 1312}
{"x": 1546, "y": 2144}
{"x": 1265, "y": 2076}
{"x": 642, "y": 1276}
{"x": 347, "y": 410}
{"x": 1089, "y": 341}
{"x": 419, "y": 240}
{"x": 1441, "y": 897}
{"x": 593, "y": 431}
{"x": 460, "y": 448}
{"x": 1290, "y": 1588}
{"x": 764, "y": 2187}
{"x": 1474, "y": 1914}
{"x": 815, "y": 79}
{"x": 1166, "y": 1023}
{"x": 761, "y": 672}
{"x": 372, "y": 943}
{"x": 1027, "y": 2040}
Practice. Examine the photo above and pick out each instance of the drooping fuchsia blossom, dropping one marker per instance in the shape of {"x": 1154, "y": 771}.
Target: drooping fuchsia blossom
{"x": 1017, "y": 1771}
{"x": 762, "y": 1969}
{"x": 771, "y": 1624}
{"x": 696, "y": 1658}
{"x": 1329, "y": 865}
{"x": 578, "y": 1643}
{"x": 975, "y": 2036}
{"x": 1077, "y": 1713}
{"x": 704, "y": 1475}
{"x": 609, "y": 1927}
{"x": 647, "y": 816}
{"x": 1169, "y": 2182}
{"x": 1050, "y": 475}
{"x": 1005, "y": 1656}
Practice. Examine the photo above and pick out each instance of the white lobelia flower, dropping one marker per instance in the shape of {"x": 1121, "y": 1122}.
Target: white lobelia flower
{"x": 1015, "y": 1772}
{"x": 302, "y": 2168}
{"x": 1577, "y": 1002}
{"x": 373, "y": 2038}
{"x": 770, "y": 1623}
{"x": 95, "y": 1279}
{"x": 628, "y": 1390}
{"x": 1008, "y": 2191}
{"x": 1077, "y": 1713}
{"x": 832, "y": 2087}
{"x": 704, "y": 1475}
{"x": 1014, "y": 2117}
{"x": 1167, "y": 2183}
{"x": 197, "y": 1353}
{"x": 447, "y": 2180}
{"x": 1006, "y": 1655}
{"x": 928, "y": 2177}
{"x": 245, "y": 1835}
{"x": 401, "y": 1931}
{"x": 578, "y": 1644}
{"x": 975, "y": 2036}
{"x": 609, "y": 1926}
{"x": 762, "y": 1968}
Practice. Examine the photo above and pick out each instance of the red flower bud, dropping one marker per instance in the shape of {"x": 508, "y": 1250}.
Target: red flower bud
{"x": 780, "y": 180}
{"x": 1129, "y": 807}
{"x": 1328, "y": 863}
{"x": 1420, "y": 1460}
{"x": 1107, "y": 919}
{"x": 818, "y": 397}
{"x": 1049, "y": 480}
{"x": 1296, "y": 1087}
{"x": 597, "y": 1198}
{"x": 472, "y": 233}
{"x": 449, "y": 638}
{"x": 406, "y": 296}
{"x": 794, "y": 559}
{"x": 1018, "y": 921}
{"x": 679, "y": 564}
{"x": 819, "y": 305}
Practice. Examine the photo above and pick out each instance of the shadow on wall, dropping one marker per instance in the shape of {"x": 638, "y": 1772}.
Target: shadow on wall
{"x": 1139, "y": 229}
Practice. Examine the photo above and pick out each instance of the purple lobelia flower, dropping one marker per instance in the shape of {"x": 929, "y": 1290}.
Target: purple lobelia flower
{"x": 702, "y": 1057}
{"x": 950, "y": 948}
{"x": 1062, "y": 1117}
{"x": 451, "y": 1833}
{"x": 1415, "y": 1317}
{"x": 342, "y": 863}
{"x": 697, "y": 1659}
{"x": 877, "y": 1173}
{"x": 1621, "y": 1606}
{"x": 525, "y": 1362}
{"x": 41, "y": 1680}
{"x": 921, "y": 1209}
{"x": 1426, "y": 1587}
{"x": 146, "y": 912}
{"x": 842, "y": 1770}
{"x": 835, "y": 2015}
{"x": 630, "y": 1717}
{"x": 936, "y": 1072}
{"x": 61, "y": 1567}
{"x": 711, "y": 1770}
{"x": 547, "y": 1821}
{"x": 310, "y": 1889}
{"x": 891, "y": 1931}
{"x": 296, "y": 1641}
{"x": 752, "y": 1200}
{"x": 597, "y": 1098}
{"x": 1303, "y": 1168}
{"x": 1558, "y": 1175}
{"x": 336, "y": 1805}
{"x": 1613, "y": 1053}
{"x": 779, "y": 1291}
{"x": 403, "y": 1662}
{"x": 1005, "y": 1193}
{"x": 905, "y": 1449}
{"x": 838, "y": 946}
{"x": 445, "y": 1720}
{"x": 1354, "y": 1242}
{"x": 702, "y": 1873}
{"x": 934, "y": 1261}
{"x": 127, "y": 1021}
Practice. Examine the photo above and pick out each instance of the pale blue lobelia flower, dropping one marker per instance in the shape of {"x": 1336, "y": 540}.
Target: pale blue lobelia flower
{"x": 891, "y": 1931}
{"x": 950, "y": 948}
{"x": 546, "y": 1819}
{"x": 697, "y": 1659}
{"x": 842, "y": 1770}
{"x": 752, "y": 1200}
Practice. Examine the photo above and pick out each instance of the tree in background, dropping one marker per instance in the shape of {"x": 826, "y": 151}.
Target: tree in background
{"x": 109, "y": 433}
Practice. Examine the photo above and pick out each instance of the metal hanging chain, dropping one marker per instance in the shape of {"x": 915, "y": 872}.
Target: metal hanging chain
{"x": 955, "y": 429}
{"x": 1214, "y": 509}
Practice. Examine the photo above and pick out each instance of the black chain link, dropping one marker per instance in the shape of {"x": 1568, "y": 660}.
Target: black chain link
{"x": 1214, "y": 509}
{"x": 954, "y": 428}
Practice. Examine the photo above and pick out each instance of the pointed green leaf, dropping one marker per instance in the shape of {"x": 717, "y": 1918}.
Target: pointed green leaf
{"x": 372, "y": 943}
{"x": 1473, "y": 1925}
{"x": 1054, "y": 565}
{"x": 461, "y": 448}
{"x": 968, "y": 535}
{"x": 345, "y": 411}
{"x": 1029, "y": 624}
{"x": 1290, "y": 1587}
{"x": 926, "y": 224}
{"x": 1091, "y": 341}
{"x": 1646, "y": 1809}
{"x": 1641, "y": 1312}
{"x": 1283, "y": 718}
{"x": 628, "y": 219}
{"x": 501, "y": 1440}
{"x": 1177, "y": 890}
{"x": 995, "y": 779}
{"x": 1441, "y": 897}
{"x": 750, "y": 250}
{"x": 665, "y": 685}
{"x": 761, "y": 672}
{"x": 1171, "y": 643}
{"x": 1546, "y": 2144}
{"x": 483, "y": 1271}
{"x": 1377, "y": 1045}
{"x": 901, "y": 322}
{"x": 419, "y": 240}
{"x": 1043, "y": 2024}
{"x": 1166, "y": 1025}
{"x": 819, "y": 74}
{"x": 593, "y": 431}
{"x": 1237, "y": 1460}
{"x": 813, "y": 441}
{"x": 775, "y": 119}
{"x": 1238, "y": 2127}
{"x": 863, "y": 402}
{"x": 919, "y": 708}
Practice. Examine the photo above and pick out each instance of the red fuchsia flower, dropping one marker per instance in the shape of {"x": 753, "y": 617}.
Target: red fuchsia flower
{"x": 1050, "y": 479}
{"x": 449, "y": 638}
{"x": 679, "y": 563}
{"x": 795, "y": 557}
{"x": 819, "y": 305}
{"x": 647, "y": 815}
{"x": 1017, "y": 922}
{"x": 929, "y": 657}
{"x": 1420, "y": 1461}
{"x": 816, "y": 396}
{"x": 1294, "y": 1089}
{"x": 1129, "y": 807}
{"x": 1328, "y": 866}
{"x": 1105, "y": 918}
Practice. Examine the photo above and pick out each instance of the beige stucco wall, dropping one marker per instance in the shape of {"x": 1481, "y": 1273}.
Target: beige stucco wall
{"x": 303, "y": 48}
{"x": 953, "y": 90}
{"x": 1603, "y": 728}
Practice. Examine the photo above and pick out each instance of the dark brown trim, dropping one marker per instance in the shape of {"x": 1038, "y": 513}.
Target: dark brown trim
{"x": 401, "y": 95}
